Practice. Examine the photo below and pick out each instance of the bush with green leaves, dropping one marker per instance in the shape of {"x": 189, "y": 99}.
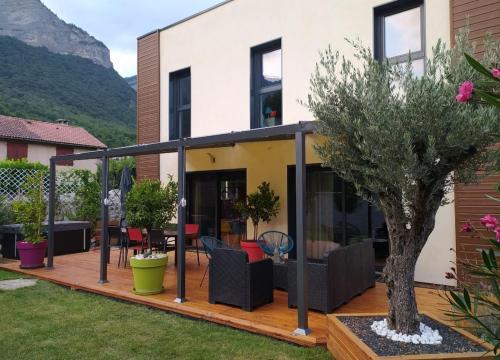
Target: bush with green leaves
{"x": 5, "y": 211}
{"x": 115, "y": 168}
{"x": 88, "y": 198}
{"x": 403, "y": 141}
{"x": 30, "y": 211}
{"x": 261, "y": 205}
{"x": 151, "y": 205}
{"x": 22, "y": 164}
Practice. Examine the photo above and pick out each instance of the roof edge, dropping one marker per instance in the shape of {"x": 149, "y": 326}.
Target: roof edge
{"x": 186, "y": 19}
{"x": 38, "y": 141}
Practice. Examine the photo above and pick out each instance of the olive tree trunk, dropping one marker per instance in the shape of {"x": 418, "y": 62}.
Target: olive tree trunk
{"x": 406, "y": 240}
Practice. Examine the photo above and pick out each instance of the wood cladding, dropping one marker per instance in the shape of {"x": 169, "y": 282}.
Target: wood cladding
{"x": 482, "y": 16}
{"x": 148, "y": 103}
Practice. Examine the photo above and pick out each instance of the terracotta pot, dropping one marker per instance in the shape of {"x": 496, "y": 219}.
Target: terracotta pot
{"x": 31, "y": 255}
{"x": 253, "y": 250}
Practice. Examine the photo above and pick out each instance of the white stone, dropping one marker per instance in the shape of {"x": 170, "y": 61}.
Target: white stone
{"x": 426, "y": 336}
{"x": 16, "y": 284}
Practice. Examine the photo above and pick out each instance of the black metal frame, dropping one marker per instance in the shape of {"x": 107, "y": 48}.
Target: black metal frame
{"x": 293, "y": 131}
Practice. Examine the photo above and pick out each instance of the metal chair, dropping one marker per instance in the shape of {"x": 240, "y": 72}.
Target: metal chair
{"x": 135, "y": 235}
{"x": 270, "y": 241}
{"x": 159, "y": 241}
{"x": 209, "y": 244}
{"x": 192, "y": 233}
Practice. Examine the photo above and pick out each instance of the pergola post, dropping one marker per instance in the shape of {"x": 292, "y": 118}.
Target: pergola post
{"x": 181, "y": 219}
{"x": 103, "y": 270}
{"x": 302, "y": 275}
{"x": 52, "y": 205}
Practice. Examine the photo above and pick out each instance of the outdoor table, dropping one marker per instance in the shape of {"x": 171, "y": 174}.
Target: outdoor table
{"x": 280, "y": 275}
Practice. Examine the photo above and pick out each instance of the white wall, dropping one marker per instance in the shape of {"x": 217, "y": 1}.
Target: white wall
{"x": 43, "y": 152}
{"x": 216, "y": 46}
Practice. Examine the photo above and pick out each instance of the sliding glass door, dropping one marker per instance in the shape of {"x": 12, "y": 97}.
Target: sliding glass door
{"x": 211, "y": 199}
{"x": 335, "y": 215}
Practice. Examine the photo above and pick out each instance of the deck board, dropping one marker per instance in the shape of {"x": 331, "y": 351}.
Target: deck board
{"x": 81, "y": 272}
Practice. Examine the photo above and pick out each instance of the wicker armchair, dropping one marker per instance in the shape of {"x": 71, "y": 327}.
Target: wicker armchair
{"x": 342, "y": 274}
{"x": 235, "y": 281}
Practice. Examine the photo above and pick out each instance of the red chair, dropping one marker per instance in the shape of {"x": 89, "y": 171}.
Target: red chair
{"x": 133, "y": 235}
{"x": 193, "y": 233}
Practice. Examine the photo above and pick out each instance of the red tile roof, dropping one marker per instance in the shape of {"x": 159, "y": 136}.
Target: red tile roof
{"x": 46, "y": 132}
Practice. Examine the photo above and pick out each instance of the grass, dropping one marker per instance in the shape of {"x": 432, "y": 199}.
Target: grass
{"x": 48, "y": 321}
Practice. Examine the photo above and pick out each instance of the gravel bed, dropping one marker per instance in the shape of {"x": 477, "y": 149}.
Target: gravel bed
{"x": 453, "y": 342}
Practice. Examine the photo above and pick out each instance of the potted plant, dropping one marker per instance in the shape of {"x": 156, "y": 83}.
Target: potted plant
{"x": 261, "y": 205}
{"x": 30, "y": 212}
{"x": 150, "y": 205}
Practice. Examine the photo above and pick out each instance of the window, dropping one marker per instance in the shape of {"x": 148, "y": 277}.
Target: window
{"x": 62, "y": 150}
{"x": 399, "y": 32}
{"x": 334, "y": 213}
{"x": 17, "y": 151}
{"x": 266, "y": 101}
{"x": 180, "y": 104}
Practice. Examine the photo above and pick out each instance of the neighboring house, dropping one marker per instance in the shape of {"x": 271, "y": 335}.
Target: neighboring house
{"x": 39, "y": 140}
{"x": 245, "y": 64}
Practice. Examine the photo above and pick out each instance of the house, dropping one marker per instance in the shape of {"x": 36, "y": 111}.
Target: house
{"x": 244, "y": 64}
{"x": 39, "y": 140}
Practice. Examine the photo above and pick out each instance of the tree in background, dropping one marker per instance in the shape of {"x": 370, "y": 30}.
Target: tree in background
{"x": 403, "y": 141}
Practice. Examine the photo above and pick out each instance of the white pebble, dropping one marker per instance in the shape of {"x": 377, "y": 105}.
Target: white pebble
{"x": 426, "y": 336}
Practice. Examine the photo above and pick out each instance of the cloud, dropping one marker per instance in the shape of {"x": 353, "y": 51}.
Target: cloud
{"x": 124, "y": 61}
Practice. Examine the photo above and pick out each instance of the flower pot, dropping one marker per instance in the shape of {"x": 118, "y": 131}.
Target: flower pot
{"x": 253, "y": 250}
{"x": 148, "y": 275}
{"x": 31, "y": 255}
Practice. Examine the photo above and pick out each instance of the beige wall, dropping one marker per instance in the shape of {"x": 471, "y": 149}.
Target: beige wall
{"x": 216, "y": 46}
{"x": 42, "y": 153}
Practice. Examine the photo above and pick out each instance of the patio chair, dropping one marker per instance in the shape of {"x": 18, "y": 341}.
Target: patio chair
{"x": 235, "y": 281}
{"x": 342, "y": 274}
{"x": 133, "y": 235}
{"x": 159, "y": 241}
{"x": 269, "y": 241}
{"x": 209, "y": 244}
{"x": 193, "y": 233}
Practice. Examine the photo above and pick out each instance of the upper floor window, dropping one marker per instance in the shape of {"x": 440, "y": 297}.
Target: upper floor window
{"x": 400, "y": 32}
{"x": 17, "y": 151}
{"x": 266, "y": 101}
{"x": 180, "y": 104}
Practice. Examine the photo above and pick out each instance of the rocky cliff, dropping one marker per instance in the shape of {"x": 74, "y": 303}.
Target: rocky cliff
{"x": 33, "y": 23}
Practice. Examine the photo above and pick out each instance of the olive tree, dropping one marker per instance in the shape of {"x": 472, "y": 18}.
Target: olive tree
{"x": 403, "y": 141}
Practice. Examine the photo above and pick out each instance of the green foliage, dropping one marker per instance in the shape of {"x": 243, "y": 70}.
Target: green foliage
{"x": 22, "y": 164}
{"x": 115, "y": 168}
{"x": 261, "y": 205}
{"x": 151, "y": 205}
{"x": 477, "y": 308}
{"x": 5, "y": 214}
{"x": 87, "y": 196}
{"x": 488, "y": 89}
{"x": 30, "y": 211}
{"x": 38, "y": 84}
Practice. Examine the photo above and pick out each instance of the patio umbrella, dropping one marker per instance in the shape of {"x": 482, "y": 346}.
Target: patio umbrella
{"x": 125, "y": 187}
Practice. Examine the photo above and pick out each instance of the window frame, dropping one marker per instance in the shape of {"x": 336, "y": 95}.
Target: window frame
{"x": 14, "y": 148}
{"x": 256, "y": 87}
{"x": 394, "y": 8}
{"x": 174, "y": 127}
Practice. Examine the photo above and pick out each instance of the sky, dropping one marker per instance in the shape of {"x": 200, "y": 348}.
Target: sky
{"x": 118, "y": 23}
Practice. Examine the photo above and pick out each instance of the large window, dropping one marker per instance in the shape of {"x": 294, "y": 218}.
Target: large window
{"x": 399, "y": 33}
{"x": 266, "y": 102}
{"x": 335, "y": 215}
{"x": 180, "y": 104}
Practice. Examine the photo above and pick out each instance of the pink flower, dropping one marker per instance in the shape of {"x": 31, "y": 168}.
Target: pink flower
{"x": 465, "y": 91}
{"x": 467, "y": 227}
{"x": 495, "y": 72}
{"x": 489, "y": 221}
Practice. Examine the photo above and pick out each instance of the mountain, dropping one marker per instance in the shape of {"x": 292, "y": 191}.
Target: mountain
{"x": 34, "y": 24}
{"x": 39, "y": 84}
{"x": 132, "y": 81}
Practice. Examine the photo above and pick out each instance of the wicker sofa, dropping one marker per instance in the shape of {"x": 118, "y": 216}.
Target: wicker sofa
{"x": 235, "y": 281}
{"x": 342, "y": 274}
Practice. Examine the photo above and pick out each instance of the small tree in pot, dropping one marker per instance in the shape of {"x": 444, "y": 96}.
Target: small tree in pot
{"x": 30, "y": 212}
{"x": 150, "y": 205}
{"x": 405, "y": 140}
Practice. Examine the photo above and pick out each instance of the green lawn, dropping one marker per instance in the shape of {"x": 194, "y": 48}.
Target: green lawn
{"x": 51, "y": 322}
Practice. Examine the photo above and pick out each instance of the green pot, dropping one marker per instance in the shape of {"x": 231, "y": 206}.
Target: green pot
{"x": 148, "y": 275}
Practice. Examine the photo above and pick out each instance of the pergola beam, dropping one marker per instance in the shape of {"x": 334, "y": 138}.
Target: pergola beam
{"x": 103, "y": 270}
{"x": 181, "y": 227}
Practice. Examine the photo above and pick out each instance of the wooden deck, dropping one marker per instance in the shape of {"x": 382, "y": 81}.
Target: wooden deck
{"x": 81, "y": 272}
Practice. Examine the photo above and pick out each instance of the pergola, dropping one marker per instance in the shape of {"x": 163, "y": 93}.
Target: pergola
{"x": 283, "y": 132}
